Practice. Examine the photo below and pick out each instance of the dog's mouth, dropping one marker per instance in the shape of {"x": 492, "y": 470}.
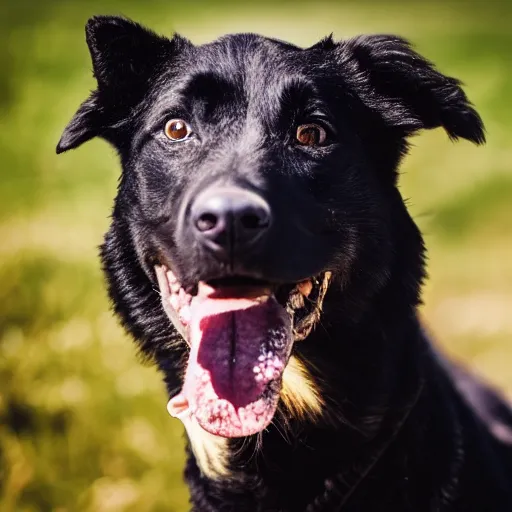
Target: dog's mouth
{"x": 240, "y": 332}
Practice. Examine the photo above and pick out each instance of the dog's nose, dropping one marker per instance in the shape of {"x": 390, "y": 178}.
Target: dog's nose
{"x": 229, "y": 219}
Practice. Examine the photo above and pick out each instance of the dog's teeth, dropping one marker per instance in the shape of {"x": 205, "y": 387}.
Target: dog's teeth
{"x": 175, "y": 302}
{"x": 185, "y": 315}
{"x": 171, "y": 277}
{"x": 305, "y": 287}
{"x": 174, "y": 284}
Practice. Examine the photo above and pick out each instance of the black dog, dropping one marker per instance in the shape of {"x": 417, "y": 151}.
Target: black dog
{"x": 261, "y": 253}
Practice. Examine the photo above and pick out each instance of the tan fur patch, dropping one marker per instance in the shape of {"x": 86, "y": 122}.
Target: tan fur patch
{"x": 300, "y": 393}
{"x": 211, "y": 452}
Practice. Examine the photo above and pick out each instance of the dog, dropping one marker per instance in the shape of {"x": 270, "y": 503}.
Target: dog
{"x": 261, "y": 255}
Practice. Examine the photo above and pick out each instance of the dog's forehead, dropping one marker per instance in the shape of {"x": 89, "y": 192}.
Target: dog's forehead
{"x": 252, "y": 66}
{"x": 248, "y": 55}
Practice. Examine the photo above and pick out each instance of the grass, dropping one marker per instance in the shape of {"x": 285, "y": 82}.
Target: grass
{"x": 476, "y": 208}
{"x": 83, "y": 424}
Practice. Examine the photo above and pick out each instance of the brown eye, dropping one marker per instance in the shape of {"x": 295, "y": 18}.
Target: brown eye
{"x": 177, "y": 129}
{"x": 311, "y": 135}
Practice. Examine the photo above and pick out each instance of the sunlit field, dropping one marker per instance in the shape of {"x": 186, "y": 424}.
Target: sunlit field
{"x": 83, "y": 424}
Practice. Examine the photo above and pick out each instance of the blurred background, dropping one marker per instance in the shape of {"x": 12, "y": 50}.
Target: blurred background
{"x": 83, "y": 424}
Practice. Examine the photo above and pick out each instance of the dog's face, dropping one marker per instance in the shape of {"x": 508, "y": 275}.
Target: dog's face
{"x": 254, "y": 174}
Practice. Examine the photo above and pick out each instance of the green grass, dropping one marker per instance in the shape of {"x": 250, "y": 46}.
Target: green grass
{"x": 479, "y": 207}
{"x": 83, "y": 424}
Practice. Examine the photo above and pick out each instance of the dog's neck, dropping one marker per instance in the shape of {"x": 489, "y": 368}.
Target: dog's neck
{"x": 369, "y": 377}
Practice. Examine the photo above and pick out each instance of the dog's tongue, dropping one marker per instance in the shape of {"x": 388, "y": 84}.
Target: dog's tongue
{"x": 240, "y": 342}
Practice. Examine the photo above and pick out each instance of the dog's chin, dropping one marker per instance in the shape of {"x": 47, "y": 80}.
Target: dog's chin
{"x": 240, "y": 333}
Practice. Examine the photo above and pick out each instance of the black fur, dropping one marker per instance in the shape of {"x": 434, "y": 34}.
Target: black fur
{"x": 401, "y": 435}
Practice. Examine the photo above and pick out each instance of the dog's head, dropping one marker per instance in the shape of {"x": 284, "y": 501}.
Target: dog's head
{"x": 255, "y": 173}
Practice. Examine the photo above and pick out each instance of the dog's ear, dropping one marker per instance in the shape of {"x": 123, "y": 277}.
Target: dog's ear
{"x": 84, "y": 125}
{"x": 406, "y": 89}
{"x": 125, "y": 57}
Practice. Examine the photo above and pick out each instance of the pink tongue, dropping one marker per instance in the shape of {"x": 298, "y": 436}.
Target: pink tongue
{"x": 238, "y": 346}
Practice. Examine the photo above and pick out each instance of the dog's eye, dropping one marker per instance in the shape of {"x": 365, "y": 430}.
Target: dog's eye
{"x": 177, "y": 129}
{"x": 311, "y": 135}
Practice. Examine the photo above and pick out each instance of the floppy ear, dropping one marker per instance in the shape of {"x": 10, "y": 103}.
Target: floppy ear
{"x": 125, "y": 58}
{"x": 407, "y": 90}
{"x": 85, "y": 125}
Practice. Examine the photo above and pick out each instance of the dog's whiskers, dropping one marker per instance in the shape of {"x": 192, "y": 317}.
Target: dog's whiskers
{"x": 283, "y": 432}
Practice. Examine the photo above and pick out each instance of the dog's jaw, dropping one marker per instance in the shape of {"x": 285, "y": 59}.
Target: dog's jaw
{"x": 240, "y": 342}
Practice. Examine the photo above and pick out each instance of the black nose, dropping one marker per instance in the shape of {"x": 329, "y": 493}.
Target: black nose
{"x": 228, "y": 219}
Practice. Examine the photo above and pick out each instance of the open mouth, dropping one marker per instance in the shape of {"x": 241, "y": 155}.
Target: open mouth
{"x": 240, "y": 332}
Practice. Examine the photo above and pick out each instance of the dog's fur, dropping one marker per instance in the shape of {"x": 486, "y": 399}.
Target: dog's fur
{"x": 371, "y": 418}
